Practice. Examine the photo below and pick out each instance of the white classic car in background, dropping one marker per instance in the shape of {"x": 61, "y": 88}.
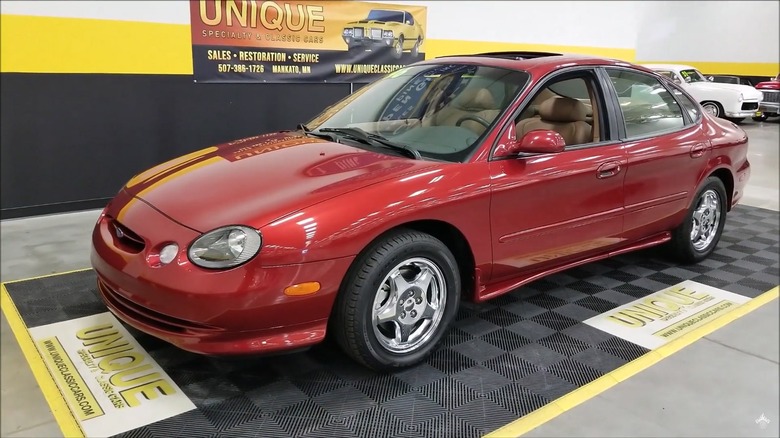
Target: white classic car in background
{"x": 729, "y": 101}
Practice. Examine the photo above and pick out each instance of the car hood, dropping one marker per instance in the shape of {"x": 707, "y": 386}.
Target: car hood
{"x": 768, "y": 85}
{"x": 257, "y": 180}
{"x": 746, "y": 90}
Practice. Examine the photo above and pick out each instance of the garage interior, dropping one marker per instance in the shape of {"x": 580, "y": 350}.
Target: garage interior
{"x": 73, "y": 134}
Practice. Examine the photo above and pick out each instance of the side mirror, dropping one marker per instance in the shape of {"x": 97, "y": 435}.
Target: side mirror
{"x": 541, "y": 141}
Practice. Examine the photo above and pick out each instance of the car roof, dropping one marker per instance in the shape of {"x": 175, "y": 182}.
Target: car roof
{"x": 534, "y": 62}
{"x": 669, "y": 67}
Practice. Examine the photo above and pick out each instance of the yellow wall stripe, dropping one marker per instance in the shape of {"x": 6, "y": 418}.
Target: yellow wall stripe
{"x": 69, "y": 426}
{"x": 80, "y": 45}
{"x": 590, "y": 390}
{"x": 35, "y": 44}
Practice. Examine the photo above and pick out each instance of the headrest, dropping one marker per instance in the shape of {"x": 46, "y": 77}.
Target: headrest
{"x": 476, "y": 100}
{"x": 563, "y": 109}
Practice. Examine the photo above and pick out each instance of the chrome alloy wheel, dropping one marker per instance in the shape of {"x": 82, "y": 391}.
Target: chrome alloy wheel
{"x": 711, "y": 109}
{"x": 706, "y": 219}
{"x": 409, "y": 305}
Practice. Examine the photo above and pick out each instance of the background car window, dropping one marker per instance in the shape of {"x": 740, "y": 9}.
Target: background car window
{"x": 647, "y": 106}
{"x": 692, "y": 76}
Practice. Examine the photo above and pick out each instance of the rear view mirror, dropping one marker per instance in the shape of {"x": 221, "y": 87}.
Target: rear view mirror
{"x": 541, "y": 141}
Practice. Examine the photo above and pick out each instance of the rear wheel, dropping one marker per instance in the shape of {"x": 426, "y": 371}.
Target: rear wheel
{"x": 761, "y": 118}
{"x": 696, "y": 238}
{"x": 398, "y": 301}
{"x": 416, "y": 48}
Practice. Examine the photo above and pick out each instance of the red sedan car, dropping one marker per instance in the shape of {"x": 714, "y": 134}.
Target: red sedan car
{"x": 454, "y": 178}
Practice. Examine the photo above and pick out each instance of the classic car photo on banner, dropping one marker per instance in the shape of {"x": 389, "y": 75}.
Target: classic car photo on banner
{"x": 298, "y": 41}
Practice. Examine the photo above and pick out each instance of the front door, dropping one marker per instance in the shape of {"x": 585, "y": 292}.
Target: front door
{"x": 550, "y": 208}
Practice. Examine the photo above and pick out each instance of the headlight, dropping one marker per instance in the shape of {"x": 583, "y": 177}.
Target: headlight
{"x": 225, "y": 247}
{"x": 387, "y": 34}
{"x": 741, "y": 97}
{"x": 348, "y": 32}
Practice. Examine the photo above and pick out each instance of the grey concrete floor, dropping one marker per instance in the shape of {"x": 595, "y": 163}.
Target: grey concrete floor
{"x": 717, "y": 386}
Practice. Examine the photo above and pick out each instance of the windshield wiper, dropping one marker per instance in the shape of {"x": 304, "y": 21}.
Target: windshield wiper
{"x": 373, "y": 139}
{"x": 307, "y": 132}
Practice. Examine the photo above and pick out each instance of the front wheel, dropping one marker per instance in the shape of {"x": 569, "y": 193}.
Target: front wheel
{"x": 712, "y": 108}
{"x": 398, "y": 48}
{"x": 397, "y": 301}
{"x": 696, "y": 238}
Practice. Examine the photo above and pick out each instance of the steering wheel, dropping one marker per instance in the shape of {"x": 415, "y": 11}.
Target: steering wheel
{"x": 477, "y": 119}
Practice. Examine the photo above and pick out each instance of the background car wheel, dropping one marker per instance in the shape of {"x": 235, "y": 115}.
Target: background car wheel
{"x": 416, "y": 48}
{"x": 712, "y": 108}
{"x": 698, "y": 235}
{"x": 397, "y": 301}
{"x": 398, "y": 48}
{"x": 761, "y": 118}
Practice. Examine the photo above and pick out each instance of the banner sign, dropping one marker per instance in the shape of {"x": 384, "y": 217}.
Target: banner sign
{"x": 109, "y": 381}
{"x": 303, "y": 41}
{"x": 658, "y": 318}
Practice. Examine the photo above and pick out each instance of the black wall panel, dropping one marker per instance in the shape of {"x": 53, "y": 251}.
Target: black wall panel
{"x": 69, "y": 141}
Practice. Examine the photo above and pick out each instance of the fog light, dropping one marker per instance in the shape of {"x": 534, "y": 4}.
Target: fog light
{"x": 302, "y": 289}
{"x": 168, "y": 253}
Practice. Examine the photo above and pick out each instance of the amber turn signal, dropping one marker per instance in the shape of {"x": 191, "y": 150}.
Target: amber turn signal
{"x": 302, "y": 289}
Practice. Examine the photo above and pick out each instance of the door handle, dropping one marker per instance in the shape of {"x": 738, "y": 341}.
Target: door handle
{"x": 608, "y": 169}
{"x": 697, "y": 150}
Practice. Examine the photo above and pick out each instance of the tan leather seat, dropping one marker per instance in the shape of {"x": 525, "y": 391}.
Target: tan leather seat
{"x": 563, "y": 115}
{"x": 474, "y": 102}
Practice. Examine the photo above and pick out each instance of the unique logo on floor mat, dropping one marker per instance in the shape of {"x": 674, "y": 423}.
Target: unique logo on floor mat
{"x": 109, "y": 381}
{"x": 667, "y": 314}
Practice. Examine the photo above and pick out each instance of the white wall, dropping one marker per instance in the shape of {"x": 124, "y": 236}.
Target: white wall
{"x": 609, "y": 24}
{"x": 718, "y": 31}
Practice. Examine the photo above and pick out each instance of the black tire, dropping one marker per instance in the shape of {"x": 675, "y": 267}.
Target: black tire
{"x": 761, "y": 118}
{"x": 397, "y": 49}
{"x": 352, "y": 320}
{"x": 713, "y": 108}
{"x": 681, "y": 246}
{"x": 416, "y": 48}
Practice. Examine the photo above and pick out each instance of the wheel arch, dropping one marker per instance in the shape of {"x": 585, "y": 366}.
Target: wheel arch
{"x": 726, "y": 177}
{"x": 449, "y": 235}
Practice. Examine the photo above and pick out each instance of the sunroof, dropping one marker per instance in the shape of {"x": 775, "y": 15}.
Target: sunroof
{"x": 510, "y": 55}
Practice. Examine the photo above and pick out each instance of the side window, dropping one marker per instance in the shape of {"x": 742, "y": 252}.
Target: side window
{"x": 570, "y": 106}
{"x": 648, "y": 108}
{"x": 688, "y": 104}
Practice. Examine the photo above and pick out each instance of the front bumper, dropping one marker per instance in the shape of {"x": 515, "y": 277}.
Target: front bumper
{"x": 769, "y": 107}
{"x": 747, "y": 109}
{"x": 234, "y": 311}
{"x": 367, "y": 41}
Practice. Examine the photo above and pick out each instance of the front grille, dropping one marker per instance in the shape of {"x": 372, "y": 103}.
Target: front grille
{"x": 771, "y": 96}
{"x": 750, "y": 106}
{"x": 147, "y": 316}
{"x": 126, "y": 238}
{"x": 358, "y": 32}
{"x": 376, "y": 34}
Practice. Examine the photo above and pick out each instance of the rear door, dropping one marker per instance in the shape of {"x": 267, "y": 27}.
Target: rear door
{"x": 666, "y": 150}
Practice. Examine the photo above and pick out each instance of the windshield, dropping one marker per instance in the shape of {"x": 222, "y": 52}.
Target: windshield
{"x": 380, "y": 15}
{"x": 690, "y": 76}
{"x": 439, "y": 110}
